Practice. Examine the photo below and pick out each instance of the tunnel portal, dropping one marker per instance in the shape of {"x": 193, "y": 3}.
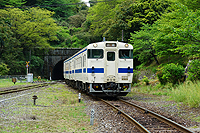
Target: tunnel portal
{"x": 53, "y": 62}
{"x": 57, "y": 73}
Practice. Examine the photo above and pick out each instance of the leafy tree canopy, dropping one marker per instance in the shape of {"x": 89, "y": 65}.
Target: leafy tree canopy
{"x": 4, "y": 69}
{"x": 15, "y": 3}
{"x": 175, "y": 33}
{"x": 130, "y": 16}
{"x": 194, "y": 4}
{"x": 179, "y": 32}
{"x": 100, "y": 15}
{"x": 62, "y": 8}
{"x": 143, "y": 44}
{"x": 33, "y": 27}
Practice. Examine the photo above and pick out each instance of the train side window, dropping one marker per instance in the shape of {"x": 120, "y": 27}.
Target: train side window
{"x": 95, "y": 53}
{"x": 80, "y": 61}
{"x": 111, "y": 56}
{"x": 126, "y": 54}
{"x": 84, "y": 61}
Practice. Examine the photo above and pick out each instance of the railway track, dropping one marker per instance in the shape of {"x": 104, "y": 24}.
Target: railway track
{"x": 145, "y": 120}
{"x": 23, "y": 88}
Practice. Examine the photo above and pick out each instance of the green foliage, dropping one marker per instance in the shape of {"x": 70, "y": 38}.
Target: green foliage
{"x": 135, "y": 76}
{"x": 143, "y": 44}
{"x": 17, "y": 67}
{"x": 33, "y": 27}
{"x": 178, "y": 32}
{"x": 188, "y": 93}
{"x": 4, "y": 69}
{"x": 61, "y": 12}
{"x": 146, "y": 80}
{"x": 194, "y": 70}
{"x": 36, "y": 65}
{"x": 78, "y": 19}
{"x": 130, "y": 17}
{"x": 17, "y": 3}
{"x": 22, "y": 30}
{"x": 194, "y": 4}
{"x": 171, "y": 73}
{"x": 100, "y": 15}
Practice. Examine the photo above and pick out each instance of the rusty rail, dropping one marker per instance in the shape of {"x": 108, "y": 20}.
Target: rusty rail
{"x": 161, "y": 118}
{"x": 129, "y": 118}
{"x": 18, "y": 89}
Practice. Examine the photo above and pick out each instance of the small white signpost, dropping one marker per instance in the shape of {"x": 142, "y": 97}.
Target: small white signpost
{"x": 92, "y": 117}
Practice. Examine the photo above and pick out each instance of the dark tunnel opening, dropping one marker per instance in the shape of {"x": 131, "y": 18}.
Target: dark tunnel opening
{"x": 57, "y": 73}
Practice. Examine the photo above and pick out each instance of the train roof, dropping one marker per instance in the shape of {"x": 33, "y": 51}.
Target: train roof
{"x": 104, "y": 44}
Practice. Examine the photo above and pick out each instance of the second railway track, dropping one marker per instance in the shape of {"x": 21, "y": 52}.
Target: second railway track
{"x": 23, "y": 88}
{"x": 145, "y": 120}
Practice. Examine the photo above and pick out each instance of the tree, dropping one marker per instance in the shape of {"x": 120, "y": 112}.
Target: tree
{"x": 4, "y": 69}
{"x": 130, "y": 16}
{"x": 21, "y": 31}
{"x": 194, "y": 4}
{"x": 78, "y": 19}
{"x": 178, "y": 32}
{"x": 17, "y": 3}
{"x": 36, "y": 65}
{"x": 62, "y": 8}
{"x": 33, "y": 27}
{"x": 143, "y": 44}
{"x": 100, "y": 15}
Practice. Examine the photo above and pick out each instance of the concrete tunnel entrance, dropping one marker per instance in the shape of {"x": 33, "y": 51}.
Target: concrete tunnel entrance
{"x": 57, "y": 73}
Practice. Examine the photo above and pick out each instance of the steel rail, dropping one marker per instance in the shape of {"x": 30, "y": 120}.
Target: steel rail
{"x": 23, "y": 88}
{"x": 129, "y": 118}
{"x": 161, "y": 118}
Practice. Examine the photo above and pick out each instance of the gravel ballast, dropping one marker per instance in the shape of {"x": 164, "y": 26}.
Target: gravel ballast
{"x": 105, "y": 117}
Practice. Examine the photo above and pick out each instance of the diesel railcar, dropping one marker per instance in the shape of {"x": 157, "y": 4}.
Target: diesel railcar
{"x": 101, "y": 69}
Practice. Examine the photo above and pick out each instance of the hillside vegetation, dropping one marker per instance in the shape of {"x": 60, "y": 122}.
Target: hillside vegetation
{"x": 161, "y": 31}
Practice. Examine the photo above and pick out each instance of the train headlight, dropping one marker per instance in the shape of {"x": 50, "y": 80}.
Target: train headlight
{"x": 126, "y": 45}
{"x": 95, "y": 45}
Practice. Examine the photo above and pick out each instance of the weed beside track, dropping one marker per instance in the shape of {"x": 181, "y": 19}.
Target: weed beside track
{"x": 57, "y": 110}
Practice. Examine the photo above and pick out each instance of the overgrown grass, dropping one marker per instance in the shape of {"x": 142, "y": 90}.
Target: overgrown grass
{"x": 8, "y": 83}
{"x": 57, "y": 110}
{"x": 188, "y": 93}
{"x": 151, "y": 89}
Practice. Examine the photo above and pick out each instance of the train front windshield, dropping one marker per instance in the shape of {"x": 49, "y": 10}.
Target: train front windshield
{"x": 95, "y": 53}
{"x": 126, "y": 54}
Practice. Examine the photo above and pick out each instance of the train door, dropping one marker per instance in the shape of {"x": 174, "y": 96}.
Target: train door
{"x": 110, "y": 66}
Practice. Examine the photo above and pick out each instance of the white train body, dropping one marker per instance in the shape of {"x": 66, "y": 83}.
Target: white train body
{"x": 103, "y": 68}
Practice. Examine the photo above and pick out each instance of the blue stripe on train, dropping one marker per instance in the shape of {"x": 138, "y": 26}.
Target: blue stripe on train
{"x": 125, "y": 70}
{"x": 84, "y": 70}
{"x": 78, "y": 71}
{"x": 99, "y": 70}
{"x": 95, "y": 70}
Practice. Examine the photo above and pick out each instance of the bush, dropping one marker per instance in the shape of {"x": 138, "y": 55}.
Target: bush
{"x": 146, "y": 80}
{"x": 4, "y": 69}
{"x": 135, "y": 76}
{"x": 171, "y": 73}
{"x": 194, "y": 70}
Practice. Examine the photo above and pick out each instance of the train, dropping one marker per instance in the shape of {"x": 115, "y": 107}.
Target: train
{"x": 101, "y": 69}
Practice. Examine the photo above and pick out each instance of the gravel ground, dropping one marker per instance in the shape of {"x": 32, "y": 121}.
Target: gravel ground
{"x": 105, "y": 122}
{"x": 104, "y": 116}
